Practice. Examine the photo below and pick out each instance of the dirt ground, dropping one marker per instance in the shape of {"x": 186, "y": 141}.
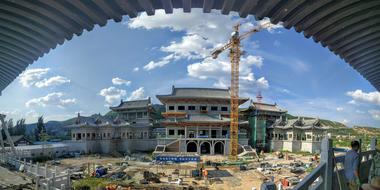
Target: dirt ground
{"x": 227, "y": 177}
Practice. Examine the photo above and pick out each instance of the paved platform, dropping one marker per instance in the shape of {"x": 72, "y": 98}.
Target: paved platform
{"x": 13, "y": 180}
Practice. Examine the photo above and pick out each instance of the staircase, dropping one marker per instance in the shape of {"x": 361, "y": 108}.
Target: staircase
{"x": 248, "y": 151}
{"x": 170, "y": 147}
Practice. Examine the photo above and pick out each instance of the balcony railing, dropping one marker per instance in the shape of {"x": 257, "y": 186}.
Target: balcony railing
{"x": 325, "y": 177}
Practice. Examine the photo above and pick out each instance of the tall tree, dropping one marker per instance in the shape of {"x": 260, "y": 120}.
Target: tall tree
{"x": 40, "y": 129}
{"x": 19, "y": 128}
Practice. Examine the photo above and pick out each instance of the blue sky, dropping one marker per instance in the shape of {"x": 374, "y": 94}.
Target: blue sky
{"x": 145, "y": 56}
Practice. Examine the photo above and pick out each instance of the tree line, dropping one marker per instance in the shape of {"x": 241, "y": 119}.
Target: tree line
{"x": 39, "y": 133}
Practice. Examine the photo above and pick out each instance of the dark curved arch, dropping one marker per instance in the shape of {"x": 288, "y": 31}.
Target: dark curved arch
{"x": 205, "y": 147}
{"x": 219, "y": 147}
{"x": 191, "y": 147}
{"x": 347, "y": 28}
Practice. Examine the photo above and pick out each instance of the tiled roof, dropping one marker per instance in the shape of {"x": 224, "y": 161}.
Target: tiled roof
{"x": 132, "y": 104}
{"x": 267, "y": 107}
{"x": 299, "y": 123}
{"x": 212, "y": 93}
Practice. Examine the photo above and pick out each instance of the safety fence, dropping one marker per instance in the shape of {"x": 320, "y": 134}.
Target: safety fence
{"x": 44, "y": 177}
{"x": 329, "y": 174}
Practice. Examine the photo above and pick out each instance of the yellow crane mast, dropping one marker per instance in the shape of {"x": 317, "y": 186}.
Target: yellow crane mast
{"x": 235, "y": 52}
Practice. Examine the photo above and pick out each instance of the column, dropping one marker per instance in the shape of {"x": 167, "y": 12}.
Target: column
{"x": 53, "y": 179}
{"x": 196, "y": 136}
{"x": 373, "y": 144}
{"x": 327, "y": 158}
{"x": 37, "y": 168}
{"x": 46, "y": 171}
{"x": 185, "y": 132}
{"x": 68, "y": 178}
{"x": 37, "y": 182}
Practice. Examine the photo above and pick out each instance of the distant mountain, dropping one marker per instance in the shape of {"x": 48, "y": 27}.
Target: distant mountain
{"x": 57, "y": 128}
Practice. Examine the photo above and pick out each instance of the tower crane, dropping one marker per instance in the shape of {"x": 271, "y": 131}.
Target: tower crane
{"x": 235, "y": 53}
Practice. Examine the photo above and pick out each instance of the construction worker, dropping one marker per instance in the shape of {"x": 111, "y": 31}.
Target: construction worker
{"x": 351, "y": 166}
{"x": 205, "y": 174}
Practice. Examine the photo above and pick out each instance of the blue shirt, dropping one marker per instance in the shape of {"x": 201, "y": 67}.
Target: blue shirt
{"x": 351, "y": 163}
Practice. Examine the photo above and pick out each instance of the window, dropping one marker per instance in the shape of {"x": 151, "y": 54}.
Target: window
{"x": 308, "y": 136}
{"x": 74, "y": 135}
{"x": 145, "y": 113}
{"x": 191, "y": 107}
{"x": 203, "y": 108}
{"x": 224, "y": 108}
{"x": 214, "y": 108}
{"x": 171, "y": 132}
{"x": 290, "y": 136}
{"x": 139, "y": 115}
{"x": 181, "y": 107}
{"x": 224, "y": 132}
{"x": 171, "y": 107}
{"x": 181, "y": 132}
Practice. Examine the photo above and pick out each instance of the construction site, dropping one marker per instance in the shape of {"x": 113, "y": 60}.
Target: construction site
{"x": 202, "y": 140}
{"x": 208, "y": 137}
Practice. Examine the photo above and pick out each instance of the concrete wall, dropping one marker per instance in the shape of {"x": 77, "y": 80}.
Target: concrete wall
{"x": 276, "y": 145}
{"x": 109, "y": 146}
{"x": 311, "y": 146}
{"x": 295, "y": 146}
{"x": 287, "y": 146}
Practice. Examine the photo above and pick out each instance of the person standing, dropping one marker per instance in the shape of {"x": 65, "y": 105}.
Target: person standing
{"x": 351, "y": 166}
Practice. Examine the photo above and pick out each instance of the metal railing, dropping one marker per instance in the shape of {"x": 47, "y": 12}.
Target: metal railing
{"x": 326, "y": 176}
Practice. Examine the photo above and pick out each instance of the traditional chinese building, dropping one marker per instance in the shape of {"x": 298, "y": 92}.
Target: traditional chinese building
{"x": 197, "y": 121}
{"x": 129, "y": 130}
{"x": 296, "y": 135}
{"x": 260, "y": 116}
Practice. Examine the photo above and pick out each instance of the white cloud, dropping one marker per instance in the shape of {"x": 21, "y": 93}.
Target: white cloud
{"x": 31, "y": 76}
{"x": 32, "y": 114}
{"x": 359, "y": 111}
{"x": 203, "y": 33}
{"x": 119, "y": 81}
{"x": 339, "y": 109}
{"x": 137, "y": 94}
{"x": 52, "y": 81}
{"x": 136, "y": 69}
{"x": 219, "y": 69}
{"x": 112, "y": 94}
{"x": 35, "y": 77}
{"x": 353, "y": 102}
{"x": 162, "y": 62}
{"x": 370, "y": 97}
{"x": 286, "y": 91}
{"x": 52, "y": 99}
{"x": 375, "y": 114}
